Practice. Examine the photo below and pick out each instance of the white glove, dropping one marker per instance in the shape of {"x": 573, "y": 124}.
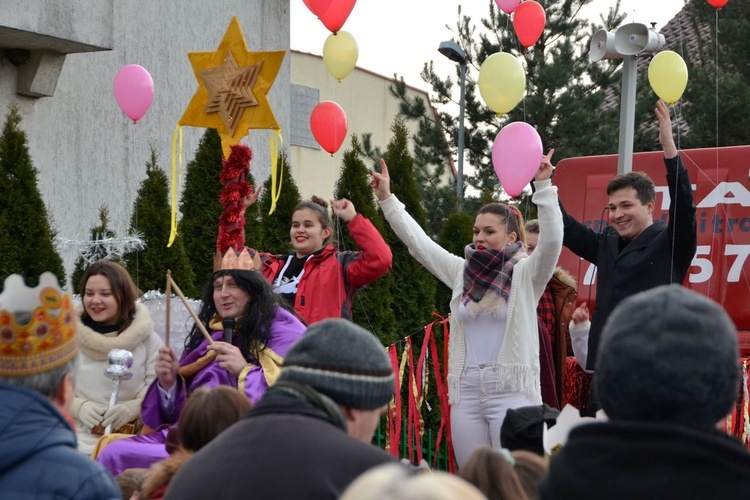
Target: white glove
{"x": 119, "y": 415}
{"x": 90, "y": 414}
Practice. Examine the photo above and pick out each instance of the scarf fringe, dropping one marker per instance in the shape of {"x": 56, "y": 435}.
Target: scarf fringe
{"x": 490, "y": 303}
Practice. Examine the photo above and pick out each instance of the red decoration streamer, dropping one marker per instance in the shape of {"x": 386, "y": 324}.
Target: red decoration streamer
{"x": 412, "y": 402}
{"x": 440, "y": 385}
{"x": 394, "y": 411}
{"x": 234, "y": 172}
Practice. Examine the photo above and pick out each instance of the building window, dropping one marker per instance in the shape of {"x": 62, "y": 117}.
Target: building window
{"x": 304, "y": 99}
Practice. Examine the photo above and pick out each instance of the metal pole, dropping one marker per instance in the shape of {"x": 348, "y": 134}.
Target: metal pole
{"x": 627, "y": 114}
{"x": 462, "y": 106}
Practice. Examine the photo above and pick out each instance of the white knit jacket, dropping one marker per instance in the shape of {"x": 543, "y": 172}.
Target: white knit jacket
{"x": 517, "y": 364}
{"x": 91, "y": 382}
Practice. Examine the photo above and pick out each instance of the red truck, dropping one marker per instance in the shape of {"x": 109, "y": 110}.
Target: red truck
{"x": 721, "y": 189}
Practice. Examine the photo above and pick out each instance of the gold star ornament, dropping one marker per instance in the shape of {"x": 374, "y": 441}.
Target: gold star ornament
{"x": 233, "y": 84}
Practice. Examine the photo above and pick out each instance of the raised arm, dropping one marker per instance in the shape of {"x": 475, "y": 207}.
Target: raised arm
{"x": 441, "y": 263}
{"x": 580, "y": 239}
{"x": 374, "y": 258}
{"x": 682, "y": 227}
{"x": 544, "y": 258}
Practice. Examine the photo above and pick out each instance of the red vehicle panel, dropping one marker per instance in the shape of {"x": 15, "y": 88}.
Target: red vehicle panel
{"x": 721, "y": 188}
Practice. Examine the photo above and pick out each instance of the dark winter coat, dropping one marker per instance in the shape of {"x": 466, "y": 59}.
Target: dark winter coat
{"x": 38, "y": 457}
{"x": 652, "y": 259}
{"x": 284, "y": 448}
{"x": 632, "y": 460}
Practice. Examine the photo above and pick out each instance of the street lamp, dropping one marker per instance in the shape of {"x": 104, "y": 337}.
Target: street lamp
{"x": 628, "y": 42}
{"x": 454, "y": 52}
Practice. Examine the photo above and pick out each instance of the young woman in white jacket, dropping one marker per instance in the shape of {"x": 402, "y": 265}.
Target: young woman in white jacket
{"x": 493, "y": 362}
{"x": 110, "y": 318}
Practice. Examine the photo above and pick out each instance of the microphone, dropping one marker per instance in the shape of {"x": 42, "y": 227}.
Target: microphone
{"x": 228, "y": 324}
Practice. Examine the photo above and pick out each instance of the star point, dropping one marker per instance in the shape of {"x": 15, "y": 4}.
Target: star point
{"x": 233, "y": 84}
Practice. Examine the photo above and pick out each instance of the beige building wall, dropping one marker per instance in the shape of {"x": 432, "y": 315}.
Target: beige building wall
{"x": 369, "y": 108}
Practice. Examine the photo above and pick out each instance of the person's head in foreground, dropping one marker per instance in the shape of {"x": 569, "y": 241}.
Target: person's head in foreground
{"x": 346, "y": 364}
{"x": 395, "y": 482}
{"x": 505, "y": 475}
{"x": 523, "y": 428}
{"x": 668, "y": 355}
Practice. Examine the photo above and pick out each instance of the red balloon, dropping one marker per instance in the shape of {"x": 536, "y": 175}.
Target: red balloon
{"x": 336, "y": 14}
{"x": 529, "y": 20}
{"x": 317, "y": 7}
{"x": 718, "y": 3}
{"x": 328, "y": 125}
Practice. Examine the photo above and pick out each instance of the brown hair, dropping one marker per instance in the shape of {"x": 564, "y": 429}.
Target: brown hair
{"x": 642, "y": 183}
{"x": 207, "y": 413}
{"x": 532, "y": 226}
{"x": 510, "y": 216}
{"x": 121, "y": 284}
{"x": 493, "y": 475}
{"x": 320, "y": 207}
{"x": 129, "y": 481}
{"x": 530, "y": 468}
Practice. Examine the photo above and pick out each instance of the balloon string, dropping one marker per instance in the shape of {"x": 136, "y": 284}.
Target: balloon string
{"x": 176, "y": 179}
{"x": 276, "y": 142}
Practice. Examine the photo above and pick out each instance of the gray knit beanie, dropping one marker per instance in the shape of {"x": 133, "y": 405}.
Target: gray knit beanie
{"x": 343, "y": 361}
{"x": 668, "y": 355}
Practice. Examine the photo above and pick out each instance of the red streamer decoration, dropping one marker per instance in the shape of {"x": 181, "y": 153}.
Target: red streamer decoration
{"x": 394, "y": 412}
{"x": 234, "y": 172}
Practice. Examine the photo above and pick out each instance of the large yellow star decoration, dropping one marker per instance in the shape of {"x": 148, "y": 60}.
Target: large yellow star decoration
{"x": 233, "y": 84}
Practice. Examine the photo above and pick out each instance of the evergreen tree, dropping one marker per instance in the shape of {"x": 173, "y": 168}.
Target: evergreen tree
{"x": 413, "y": 284}
{"x": 200, "y": 207}
{"x": 275, "y": 227}
{"x": 372, "y": 304}
{"x": 562, "y": 90}
{"x": 99, "y": 252}
{"x": 714, "y": 88}
{"x": 26, "y": 233}
{"x": 151, "y": 218}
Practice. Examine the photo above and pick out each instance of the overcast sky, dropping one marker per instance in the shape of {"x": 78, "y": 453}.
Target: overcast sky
{"x": 399, "y": 36}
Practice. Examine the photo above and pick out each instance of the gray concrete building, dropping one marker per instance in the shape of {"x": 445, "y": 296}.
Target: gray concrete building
{"x": 58, "y": 61}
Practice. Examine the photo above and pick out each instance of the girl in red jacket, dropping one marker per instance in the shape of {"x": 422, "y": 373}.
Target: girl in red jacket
{"x": 316, "y": 278}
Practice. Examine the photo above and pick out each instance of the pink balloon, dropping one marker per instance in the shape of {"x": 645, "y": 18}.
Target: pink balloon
{"x": 134, "y": 91}
{"x": 507, "y": 6}
{"x": 328, "y": 125}
{"x": 336, "y": 14}
{"x": 516, "y": 155}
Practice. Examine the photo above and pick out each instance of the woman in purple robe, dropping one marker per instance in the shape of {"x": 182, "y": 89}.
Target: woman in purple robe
{"x": 264, "y": 330}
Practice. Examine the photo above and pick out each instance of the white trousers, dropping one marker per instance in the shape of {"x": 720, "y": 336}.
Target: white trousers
{"x": 477, "y": 417}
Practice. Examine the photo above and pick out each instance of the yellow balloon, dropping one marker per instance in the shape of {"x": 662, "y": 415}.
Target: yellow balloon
{"x": 340, "y": 54}
{"x": 502, "y": 82}
{"x": 668, "y": 75}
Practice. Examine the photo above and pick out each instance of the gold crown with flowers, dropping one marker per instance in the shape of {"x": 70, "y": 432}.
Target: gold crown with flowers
{"x": 242, "y": 261}
{"x": 37, "y": 326}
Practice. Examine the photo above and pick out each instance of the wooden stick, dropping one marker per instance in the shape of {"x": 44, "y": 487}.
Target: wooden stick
{"x": 169, "y": 306}
{"x": 192, "y": 313}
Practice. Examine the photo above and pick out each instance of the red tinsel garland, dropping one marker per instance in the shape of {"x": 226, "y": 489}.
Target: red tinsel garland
{"x": 234, "y": 172}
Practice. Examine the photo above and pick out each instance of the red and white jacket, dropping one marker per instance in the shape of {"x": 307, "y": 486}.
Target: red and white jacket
{"x": 331, "y": 278}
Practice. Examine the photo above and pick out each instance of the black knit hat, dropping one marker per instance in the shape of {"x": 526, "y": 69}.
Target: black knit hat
{"x": 343, "y": 361}
{"x": 523, "y": 428}
{"x": 668, "y": 355}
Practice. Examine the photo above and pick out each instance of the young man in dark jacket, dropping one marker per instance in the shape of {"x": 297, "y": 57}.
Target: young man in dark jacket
{"x": 667, "y": 374}
{"x": 634, "y": 253}
{"x": 309, "y": 435}
{"x": 38, "y": 457}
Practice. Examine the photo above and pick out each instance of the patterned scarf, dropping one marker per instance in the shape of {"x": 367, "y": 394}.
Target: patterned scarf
{"x": 487, "y": 276}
